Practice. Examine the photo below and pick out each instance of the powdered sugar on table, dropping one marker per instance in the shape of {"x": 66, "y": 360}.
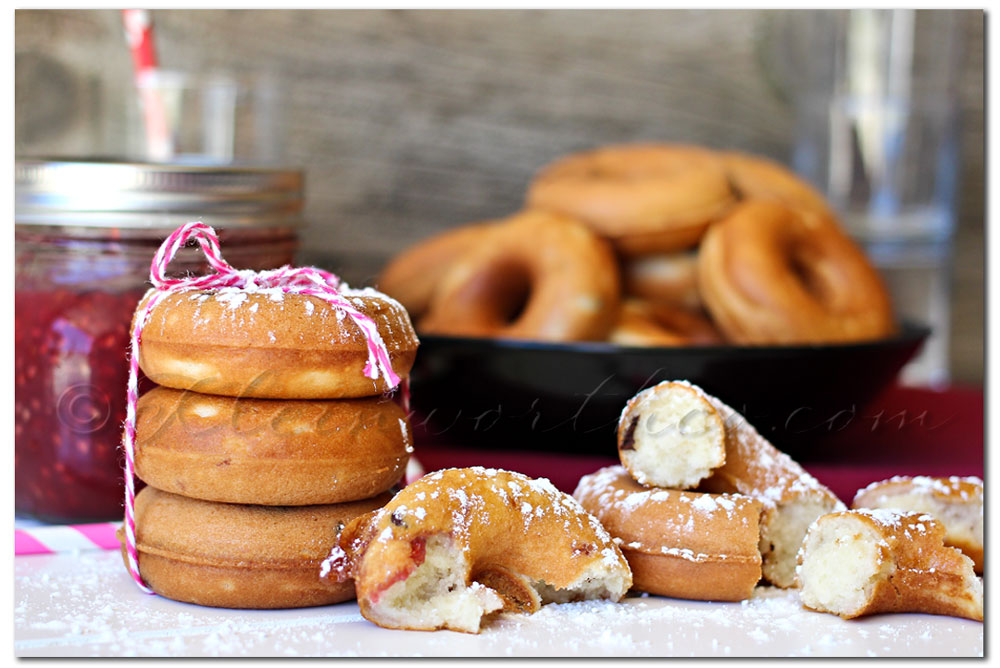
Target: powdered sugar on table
{"x": 85, "y": 605}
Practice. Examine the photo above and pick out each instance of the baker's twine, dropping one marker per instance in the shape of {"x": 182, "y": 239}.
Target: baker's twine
{"x": 297, "y": 280}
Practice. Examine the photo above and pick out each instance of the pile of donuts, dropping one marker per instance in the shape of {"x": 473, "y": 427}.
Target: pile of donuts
{"x": 650, "y": 245}
{"x": 704, "y": 507}
{"x": 262, "y": 437}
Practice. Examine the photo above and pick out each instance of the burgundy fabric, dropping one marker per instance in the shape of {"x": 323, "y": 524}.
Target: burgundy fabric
{"x": 905, "y": 431}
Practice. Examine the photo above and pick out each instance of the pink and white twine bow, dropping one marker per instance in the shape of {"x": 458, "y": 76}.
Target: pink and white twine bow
{"x": 298, "y": 280}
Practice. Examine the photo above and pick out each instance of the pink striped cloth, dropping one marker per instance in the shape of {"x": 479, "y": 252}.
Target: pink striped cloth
{"x": 66, "y": 538}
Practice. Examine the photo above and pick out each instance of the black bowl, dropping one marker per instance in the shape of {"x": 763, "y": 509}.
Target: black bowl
{"x": 528, "y": 395}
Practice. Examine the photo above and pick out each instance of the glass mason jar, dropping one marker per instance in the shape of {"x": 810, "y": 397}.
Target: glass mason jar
{"x": 85, "y": 235}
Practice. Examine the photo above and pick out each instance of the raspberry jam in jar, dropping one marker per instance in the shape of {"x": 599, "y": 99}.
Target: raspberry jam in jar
{"x": 85, "y": 235}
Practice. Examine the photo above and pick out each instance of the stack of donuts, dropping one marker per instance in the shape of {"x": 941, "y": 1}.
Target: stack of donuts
{"x": 650, "y": 245}
{"x": 263, "y": 438}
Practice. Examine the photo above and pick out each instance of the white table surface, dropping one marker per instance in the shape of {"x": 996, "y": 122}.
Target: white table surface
{"x": 84, "y": 604}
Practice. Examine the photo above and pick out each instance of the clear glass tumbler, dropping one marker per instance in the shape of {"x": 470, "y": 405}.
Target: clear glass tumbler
{"x": 204, "y": 118}
{"x": 878, "y": 121}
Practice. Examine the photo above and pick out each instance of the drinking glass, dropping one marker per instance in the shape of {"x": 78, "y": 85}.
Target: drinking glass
{"x": 877, "y": 130}
{"x": 212, "y": 118}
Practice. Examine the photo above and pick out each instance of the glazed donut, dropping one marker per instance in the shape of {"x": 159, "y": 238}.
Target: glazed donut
{"x": 669, "y": 278}
{"x": 955, "y": 502}
{"x": 413, "y": 275}
{"x": 459, "y": 544}
{"x": 228, "y": 555}
{"x": 272, "y": 453}
{"x": 271, "y": 345}
{"x": 792, "y": 498}
{"x": 754, "y": 177}
{"x": 642, "y": 323}
{"x": 770, "y": 275}
{"x": 863, "y": 562}
{"x": 646, "y": 198}
{"x": 671, "y": 435}
{"x": 679, "y": 544}
{"x": 536, "y": 276}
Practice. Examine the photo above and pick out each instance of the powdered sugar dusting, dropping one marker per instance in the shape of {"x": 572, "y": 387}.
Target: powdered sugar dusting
{"x": 967, "y": 488}
{"x": 679, "y": 519}
{"x": 604, "y": 486}
{"x": 337, "y": 556}
{"x": 466, "y": 504}
{"x": 908, "y": 522}
{"x": 755, "y": 467}
{"x": 85, "y": 605}
{"x": 244, "y": 307}
{"x": 706, "y": 504}
{"x": 233, "y": 298}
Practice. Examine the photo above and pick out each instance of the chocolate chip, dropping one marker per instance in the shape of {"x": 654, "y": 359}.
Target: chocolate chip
{"x": 397, "y": 519}
{"x": 628, "y": 442}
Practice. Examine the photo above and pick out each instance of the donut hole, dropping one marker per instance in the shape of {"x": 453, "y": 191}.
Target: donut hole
{"x": 805, "y": 264}
{"x": 514, "y": 285}
{"x": 506, "y": 286}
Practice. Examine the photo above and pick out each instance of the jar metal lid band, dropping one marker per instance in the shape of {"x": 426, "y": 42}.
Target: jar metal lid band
{"x": 93, "y": 193}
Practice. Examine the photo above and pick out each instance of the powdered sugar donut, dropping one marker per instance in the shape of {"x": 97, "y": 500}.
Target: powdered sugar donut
{"x": 270, "y": 344}
{"x": 862, "y": 562}
{"x": 956, "y": 502}
{"x": 671, "y": 435}
{"x": 459, "y": 544}
{"x": 792, "y": 498}
{"x": 680, "y": 544}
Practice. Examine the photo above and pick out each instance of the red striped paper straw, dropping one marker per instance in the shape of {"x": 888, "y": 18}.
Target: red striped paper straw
{"x": 66, "y": 538}
{"x": 139, "y": 33}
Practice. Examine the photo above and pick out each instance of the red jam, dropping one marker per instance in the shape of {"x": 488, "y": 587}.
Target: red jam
{"x": 418, "y": 550}
{"x": 69, "y": 402}
{"x": 73, "y": 302}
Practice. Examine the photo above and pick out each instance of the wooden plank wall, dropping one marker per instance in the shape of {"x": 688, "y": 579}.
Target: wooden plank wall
{"x": 408, "y": 122}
